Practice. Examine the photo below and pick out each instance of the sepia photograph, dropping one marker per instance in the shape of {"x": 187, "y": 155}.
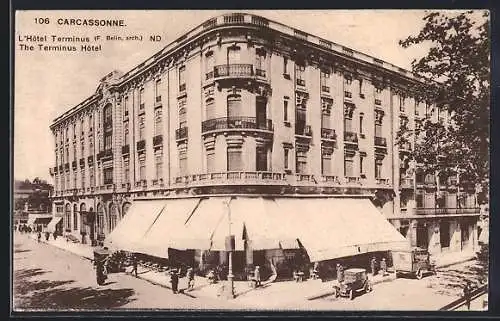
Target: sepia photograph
{"x": 260, "y": 160}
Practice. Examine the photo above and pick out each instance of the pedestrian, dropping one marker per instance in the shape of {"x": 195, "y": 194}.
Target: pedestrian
{"x": 467, "y": 293}
{"x": 190, "y": 277}
{"x": 340, "y": 273}
{"x": 47, "y": 235}
{"x": 174, "y": 280}
{"x": 383, "y": 267}
{"x": 315, "y": 271}
{"x": 39, "y": 236}
{"x": 256, "y": 274}
{"x": 54, "y": 234}
{"x": 373, "y": 266}
{"x": 134, "y": 264}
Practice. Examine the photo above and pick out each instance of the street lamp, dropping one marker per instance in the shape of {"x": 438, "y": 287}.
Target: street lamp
{"x": 230, "y": 248}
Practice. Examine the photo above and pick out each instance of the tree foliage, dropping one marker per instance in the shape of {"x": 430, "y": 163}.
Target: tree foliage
{"x": 457, "y": 67}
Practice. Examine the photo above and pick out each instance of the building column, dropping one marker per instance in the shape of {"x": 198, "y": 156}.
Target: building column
{"x": 412, "y": 233}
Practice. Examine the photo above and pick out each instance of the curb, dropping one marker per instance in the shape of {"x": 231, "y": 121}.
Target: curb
{"x": 161, "y": 285}
{"x": 456, "y": 262}
{"x": 63, "y": 249}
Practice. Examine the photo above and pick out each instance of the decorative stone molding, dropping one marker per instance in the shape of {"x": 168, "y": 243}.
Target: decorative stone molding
{"x": 234, "y": 141}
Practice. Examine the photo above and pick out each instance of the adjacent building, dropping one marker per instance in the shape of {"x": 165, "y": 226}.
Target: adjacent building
{"x": 286, "y": 139}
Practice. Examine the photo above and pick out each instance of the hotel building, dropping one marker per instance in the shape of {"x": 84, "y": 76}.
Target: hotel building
{"x": 248, "y": 123}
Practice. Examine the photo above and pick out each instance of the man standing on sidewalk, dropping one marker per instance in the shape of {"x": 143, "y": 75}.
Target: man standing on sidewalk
{"x": 467, "y": 294}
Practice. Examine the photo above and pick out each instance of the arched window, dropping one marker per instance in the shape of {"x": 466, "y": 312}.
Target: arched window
{"x": 75, "y": 217}
{"x": 125, "y": 209}
{"x": 67, "y": 217}
{"x": 158, "y": 122}
{"x": 182, "y": 117}
{"x": 83, "y": 221}
{"x": 112, "y": 217}
{"x": 210, "y": 108}
{"x": 234, "y": 106}
{"x": 100, "y": 219}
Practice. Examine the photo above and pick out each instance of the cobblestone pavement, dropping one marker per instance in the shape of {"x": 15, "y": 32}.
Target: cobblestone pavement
{"x": 46, "y": 277}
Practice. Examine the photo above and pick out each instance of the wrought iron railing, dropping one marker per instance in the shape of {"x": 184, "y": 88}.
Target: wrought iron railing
{"x": 325, "y": 89}
{"x": 233, "y": 70}
{"x": 303, "y": 130}
{"x": 125, "y": 149}
{"x": 157, "y": 140}
{"x": 380, "y": 141}
{"x": 240, "y": 177}
{"x": 141, "y": 145}
{"x": 444, "y": 211}
{"x": 328, "y": 133}
{"x": 351, "y": 137}
{"x": 181, "y": 133}
{"x": 236, "y": 122}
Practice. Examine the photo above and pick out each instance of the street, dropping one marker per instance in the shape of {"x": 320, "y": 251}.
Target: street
{"x": 48, "y": 278}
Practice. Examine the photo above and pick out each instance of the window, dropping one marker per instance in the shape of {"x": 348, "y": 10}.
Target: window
{"x": 182, "y": 78}
{"x": 91, "y": 124}
{"x": 299, "y": 73}
{"x": 417, "y": 105}
{"x": 209, "y": 64}
{"x": 234, "y": 106}
{"x": 182, "y": 112}
{"x": 125, "y": 107}
{"x": 402, "y": 102}
{"x": 182, "y": 163}
{"x": 82, "y": 127}
{"x": 74, "y": 131}
{"x": 260, "y": 60}
{"x": 74, "y": 180}
{"x": 285, "y": 158}
{"x": 159, "y": 165}
{"x": 67, "y": 134}
{"x": 301, "y": 162}
{"x": 233, "y": 55}
{"x": 141, "y": 128}
{"x": 361, "y": 169}
{"x": 285, "y": 65}
{"x": 125, "y": 134}
{"x": 361, "y": 130}
{"x": 324, "y": 75}
{"x": 378, "y": 168}
{"x": 107, "y": 141}
{"x": 91, "y": 146}
{"x": 91, "y": 176}
{"x": 361, "y": 88}
{"x": 108, "y": 175}
{"x": 347, "y": 80}
{"x": 210, "y": 160}
{"x": 234, "y": 160}
{"x": 126, "y": 172}
{"x": 261, "y": 161}
{"x": 158, "y": 122}
{"x": 108, "y": 117}
{"x": 82, "y": 148}
{"x": 210, "y": 108}
{"x": 83, "y": 178}
{"x": 285, "y": 109}
{"x": 157, "y": 90}
{"x": 74, "y": 152}
{"x": 378, "y": 130}
{"x": 142, "y": 167}
{"x": 348, "y": 166}
{"x": 444, "y": 233}
{"x": 348, "y": 125}
{"x": 141, "y": 99}
{"x": 326, "y": 165}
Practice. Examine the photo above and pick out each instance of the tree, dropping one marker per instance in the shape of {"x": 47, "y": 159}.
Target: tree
{"x": 457, "y": 67}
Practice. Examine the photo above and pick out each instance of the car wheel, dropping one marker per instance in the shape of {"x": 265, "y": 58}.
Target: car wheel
{"x": 351, "y": 294}
{"x": 419, "y": 274}
{"x": 335, "y": 293}
{"x": 368, "y": 287}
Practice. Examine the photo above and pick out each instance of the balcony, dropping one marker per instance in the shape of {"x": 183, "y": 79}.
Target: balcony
{"x": 141, "y": 145}
{"x": 328, "y": 134}
{"x": 301, "y": 82}
{"x": 260, "y": 72}
{"x": 157, "y": 182}
{"x": 382, "y": 181}
{"x": 330, "y": 179}
{"x": 305, "y": 178}
{"x": 233, "y": 178}
{"x": 157, "y": 140}
{"x": 302, "y": 130}
{"x": 350, "y": 180}
{"x": 61, "y": 168}
{"x": 447, "y": 211}
{"x": 380, "y": 141}
{"x": 236, "y": 123}
{"x": 325, "y": 89}
{"x": 126, "y": 186}
{"x": 73, "y": 164}
{"x": 158, "y": 99}
{"x": 90, "y": 160}
{"x": 348, "y": 94}
{"x": 105, "y": 154}
{"x": 182, "y": 88}
{"x": 406, "y": 182}
{"x": 181, "y": 133}
{"x": 66, "y": 166}
{"x": 378, "y": 102}
{"x": 350, "y": 138}
{"x": 233, "y": 71}
{"x": 125, "y": 149}
{"x": 82, "y": 162}
{"x": 209, "y": 75}
{"x": 404, "y": 147}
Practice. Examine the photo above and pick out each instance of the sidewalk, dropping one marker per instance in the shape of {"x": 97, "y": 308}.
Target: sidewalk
{"x": 83, "y": 250}
{"x": 443, "y": 260}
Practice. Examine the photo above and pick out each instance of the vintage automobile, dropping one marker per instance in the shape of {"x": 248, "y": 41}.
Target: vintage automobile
{"x": 355, "y": 281}
{"x": 414, "y": 261}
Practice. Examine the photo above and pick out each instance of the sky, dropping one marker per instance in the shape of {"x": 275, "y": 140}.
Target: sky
{"x": 50, "y": 83}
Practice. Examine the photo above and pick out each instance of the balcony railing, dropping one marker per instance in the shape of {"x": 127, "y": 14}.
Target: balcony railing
{"x": 157, "y": 140}
{"x": 90, "y": 159}
{"x": 73, "y": 164}
{"x": 352, "y": 180}
{"x": 141, "y": 145}
{"x": 60, "y": 168}
{"x": 304, "y": 178}
{"x": 445, "y": 211}
{"x": 233, "y": 70}
{"x": 325, "y": 89}
{"x": 328, "y": 133}
{"x": 380, "y": 141}
{"x": 301, "y": 82}
{"x": 125, "y": 149}
{"x": 303, "y": 130}
{"x": 107, "y": 153}
{"x": 260, "y": 72}
{"x": 182, "y": 88}
{"x": 378, "y": 102}
{"x": 233, "y": 178}
{"x": 234, "y": 18}
{"x": 406, "y": 182}
{"x": 82, "y": 162}
{"x": 347, "y": 94}
{"x": 209, "y": 75}
{"x": 181, "y": 133}
{"x": 331, "y": 179}
{"x": 66, "y": 166}
{"x": 236, "y": 122}
{"x": 382, "y": 181}
{"x": 350, "y": 137}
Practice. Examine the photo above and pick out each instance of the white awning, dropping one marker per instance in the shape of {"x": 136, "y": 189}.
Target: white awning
{"x": 134, "y": 225}
{"x": 51, "y": 227}
{"x": 336, "y": 227}
{"x": 168, "y": 228}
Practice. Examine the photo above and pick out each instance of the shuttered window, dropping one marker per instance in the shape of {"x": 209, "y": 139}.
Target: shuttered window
{"x": 234, "y": 106}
